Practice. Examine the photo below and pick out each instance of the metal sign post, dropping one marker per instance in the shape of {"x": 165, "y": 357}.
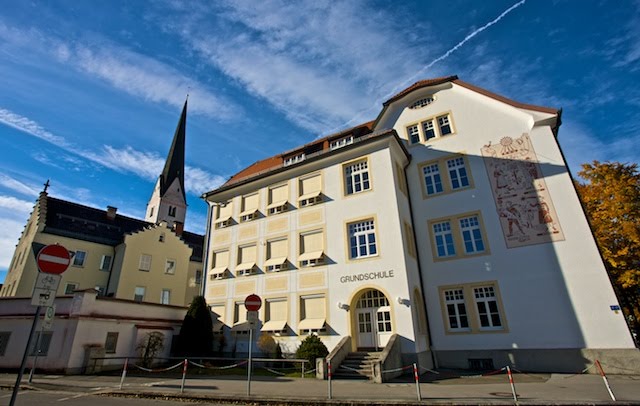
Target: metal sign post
{"x": 252, "y": 303}
{"x": 16, "y": 387}
{"x": 46, "y": 325}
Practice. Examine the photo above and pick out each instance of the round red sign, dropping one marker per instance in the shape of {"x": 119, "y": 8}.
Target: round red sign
{"x": 253, "y": 303}
{"x": 53, "y": 259}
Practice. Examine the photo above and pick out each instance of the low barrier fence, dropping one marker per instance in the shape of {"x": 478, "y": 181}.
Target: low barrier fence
{"x": 185, "y": 363}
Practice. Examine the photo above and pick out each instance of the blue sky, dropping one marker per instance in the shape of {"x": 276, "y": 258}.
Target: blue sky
{"x": 90, "y": 92}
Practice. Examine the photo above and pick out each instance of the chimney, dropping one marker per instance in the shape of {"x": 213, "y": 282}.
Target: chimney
{"x": 111, "y": 212}
{"x": 178, "y": 228}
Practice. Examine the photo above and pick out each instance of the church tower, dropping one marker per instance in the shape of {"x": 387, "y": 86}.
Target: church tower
{"x": 168, "y": 201}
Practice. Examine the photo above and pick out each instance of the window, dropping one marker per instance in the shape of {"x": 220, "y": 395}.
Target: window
{"x": 78, "y": 259}
{"x": 4, "y": 341}
{"x": 172, "y": 211}
{"x": 101, "y": 290}
{"x": 312, "y": 314}
{"x": 240, "y": 323}
{"x": 410, "y": 239}
{"x": 341, "y": 142}
{"x": 402, "y": 179}
{"x": 487, "y": 306}
{"x": 105, "y": 263}
{"x": 151, "y": 211}
{"x": 362, "y": 239}
{"x": 471, "y": 234}
{"x": 220, "y": 268}
{"x": 456, "y": 310}
{"x": 310, "y": 188}
{"x": 41, "y": 340}
{"x": 247, "y": 256}
{"x": 357, "y": 177}
{"x": 278, "y": 199}
{"x": 250, "y": 204}
{"x": 425, "y": 101}
{"x": 170, "y": 267}
{"x": 294, "y": 159}
{"x": 446, "y": 175}
{"x": 384, "y": 321}
{"x": 457, "y": 237}
{"x": 138, "y": 294}
{"x": 413, "y": 133}
{"x": 69, "y": 288}
{"x": 429, "y": 130}
{"x": 457, "y": 173}
{"x": 111, "y": 343}
{"x": 432, "y": 180}
{"x": 165, "y": 296}
{"x": 161, "y": 237}
{"x": 444, "y": 125}
{"x": 275, "y": 315}
{"x": 277, "y": 251}
{"x": 444, "y": 239}
{"x": 311, "y": 248}
{"x": 218, "y": 309}
{"x": 225, "y": 212}
{"x": 198, "y": 276}
{"x": 472, "y": 308}
{"x": 145, "y": 263}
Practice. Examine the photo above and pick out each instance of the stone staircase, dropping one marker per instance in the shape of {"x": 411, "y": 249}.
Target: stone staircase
{"x": 357, "y": 365}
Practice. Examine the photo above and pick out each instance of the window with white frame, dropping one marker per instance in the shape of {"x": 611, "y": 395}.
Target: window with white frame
{"x": 456, "y": 309}
{"x": 138, "y": 293}
{"x": 79, "y": 257}
{"x": 220, "y": 268}
{"x": 432, "y": 179}
{"x": 362, "y": 239}
{"x": 443, "y": 236}
{"x": 487, "y": 306}
{"x": 311, "y": 248}
{"x": 357, "y": 177}
{"x": 429, "y": 130}
{"x": 225, "y": 215}
{"x": 145, "y": 263}
{"x": 247, "y": 256}
{"x": 471, "y": 235}
{"x": 425, "y": 101}
{"x": 312, "y": 314}
{"x": 310, "y": 188}
{"x": 444, "y": 125}
{"x": 278, "y": 199}
{"x": 165, "y": 296}
{"x": 277, "y": 251}
{"x": 70, "y": 287}
{"x": 250, "y": 204}
{"x": 341, "y": 142}
{"x": 457, "y": 173}
{"x": 105, "y": 262}
{"x": 294, "y": 159}
{"x": 413, "y": 133}
{"x": 170, "y": 266}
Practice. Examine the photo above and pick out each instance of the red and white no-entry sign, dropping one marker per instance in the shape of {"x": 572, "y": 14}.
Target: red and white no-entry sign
{"x": 53, "y": 259}
{"x": 253, "y": 303}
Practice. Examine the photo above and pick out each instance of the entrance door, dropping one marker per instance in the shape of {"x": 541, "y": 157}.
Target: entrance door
{"x": 373, "y": 316}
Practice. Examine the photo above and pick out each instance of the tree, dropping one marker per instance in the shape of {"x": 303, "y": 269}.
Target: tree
{"x": 150, "y": 346}
{"x": 196, "y": 334}
{"x": 311, "y": 348}
{"x": 611, "y": 198}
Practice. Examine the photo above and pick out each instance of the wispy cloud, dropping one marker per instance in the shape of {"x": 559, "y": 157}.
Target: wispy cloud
{"x": 145, "y": 164}
{"x": 17, "y": 205}
{"x": 13, "y": 217}
{"x": 18, "y": 186}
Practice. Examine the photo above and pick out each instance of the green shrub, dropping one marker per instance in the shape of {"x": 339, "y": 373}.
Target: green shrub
{"x": 311, "y": 348}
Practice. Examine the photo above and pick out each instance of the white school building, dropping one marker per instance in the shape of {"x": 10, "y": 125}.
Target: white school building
{"x": 449, "y": 222}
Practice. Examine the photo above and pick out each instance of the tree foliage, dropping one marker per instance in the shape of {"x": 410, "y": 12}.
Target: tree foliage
{"x": 611, "y": 197}
{"x": 196, "y": 334}
{"x": 311, "y": 348}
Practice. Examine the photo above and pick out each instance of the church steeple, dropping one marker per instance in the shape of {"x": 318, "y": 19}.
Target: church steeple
{"x": 168, "y": 201}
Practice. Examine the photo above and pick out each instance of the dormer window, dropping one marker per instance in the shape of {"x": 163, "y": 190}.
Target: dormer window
{"x": 425, "y": 101}
{"x": 341, "y": 142}
{"x": 294, "y": 159}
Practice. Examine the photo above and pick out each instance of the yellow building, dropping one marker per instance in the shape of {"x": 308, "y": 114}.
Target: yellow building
{"x": 152, "y": 260}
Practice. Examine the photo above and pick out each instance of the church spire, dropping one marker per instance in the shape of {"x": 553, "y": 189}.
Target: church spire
{"x": 174, "y": 165}
{"x": 168, "y": 201}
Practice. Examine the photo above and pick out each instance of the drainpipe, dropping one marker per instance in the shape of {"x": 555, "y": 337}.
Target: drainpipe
{"x": 205, "y": 256}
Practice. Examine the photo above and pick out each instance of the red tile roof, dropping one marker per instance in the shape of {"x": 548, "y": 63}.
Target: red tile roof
{"x": 418, "y": 85}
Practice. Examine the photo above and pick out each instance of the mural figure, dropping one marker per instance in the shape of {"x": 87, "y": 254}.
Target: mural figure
{"x": 522, "y": 201}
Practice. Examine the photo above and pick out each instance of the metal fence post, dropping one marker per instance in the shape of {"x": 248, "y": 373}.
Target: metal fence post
{"x": 184, "y": 375}
{"x": 513, "y": 386}
{"x": 416, "y": 376}
{"x": 606, "y": 382}
{"x": 329, "y": 378}
{"x": 124, "y": 372}
{"x": 303, "y": 368}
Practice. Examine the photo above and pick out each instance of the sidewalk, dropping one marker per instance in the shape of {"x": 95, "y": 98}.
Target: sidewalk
{"x": 531, "y": 389}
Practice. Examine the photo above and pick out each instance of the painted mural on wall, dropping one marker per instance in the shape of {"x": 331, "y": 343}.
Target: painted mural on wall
{"x": 522, "y": 200}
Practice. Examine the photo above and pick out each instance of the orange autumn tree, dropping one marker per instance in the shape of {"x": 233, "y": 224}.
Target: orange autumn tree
{"x": 610, "y": 194}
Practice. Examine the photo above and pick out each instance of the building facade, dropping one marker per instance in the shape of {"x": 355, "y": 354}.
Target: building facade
{"x": 451, "y": 221}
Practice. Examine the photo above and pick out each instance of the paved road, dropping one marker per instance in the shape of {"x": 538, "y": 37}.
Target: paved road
{"x": 40, "y": 398}
{"x": 531, "y": 388}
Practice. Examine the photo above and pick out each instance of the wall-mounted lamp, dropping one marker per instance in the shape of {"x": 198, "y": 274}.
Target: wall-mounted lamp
{"x": 343, "y": 306}
{"x": 405, "y": 302}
